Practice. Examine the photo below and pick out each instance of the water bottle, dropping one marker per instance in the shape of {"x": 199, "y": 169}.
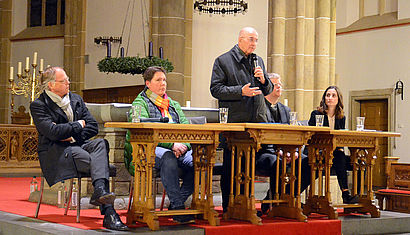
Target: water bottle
{"x": 74, "y": 195}
{"x": 65, "y": 196}
{"x": 60, "y": 195}
{"x": 33, "y": 185}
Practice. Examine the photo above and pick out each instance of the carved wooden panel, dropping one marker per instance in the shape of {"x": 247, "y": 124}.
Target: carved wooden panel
{"x": 18, "y": 146}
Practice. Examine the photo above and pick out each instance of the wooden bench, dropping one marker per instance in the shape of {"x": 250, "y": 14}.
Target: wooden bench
{"x": 397, "y": 193}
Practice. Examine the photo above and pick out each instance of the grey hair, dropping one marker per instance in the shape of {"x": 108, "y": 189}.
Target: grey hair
{"x": 49, "y": 75}
{"x": 273, "y": 75}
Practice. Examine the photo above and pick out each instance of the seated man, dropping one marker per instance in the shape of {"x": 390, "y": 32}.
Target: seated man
{"x": 266, "y": 157}
{"x": 65, "y": 127}
{"x": 171, "y": 158}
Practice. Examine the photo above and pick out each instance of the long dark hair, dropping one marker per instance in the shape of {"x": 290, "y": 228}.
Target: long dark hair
{"x": 339, "y": 113}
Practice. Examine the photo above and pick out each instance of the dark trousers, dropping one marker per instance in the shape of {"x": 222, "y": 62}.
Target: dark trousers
{"x": 340, "y": 164}
{"x": 92, "y": 158}
{"x": 171, "y": 169}
{"x": 266, "y": 165}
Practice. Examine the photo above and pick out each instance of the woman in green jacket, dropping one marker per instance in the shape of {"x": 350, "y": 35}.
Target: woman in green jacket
{"x": 171, "y": 158}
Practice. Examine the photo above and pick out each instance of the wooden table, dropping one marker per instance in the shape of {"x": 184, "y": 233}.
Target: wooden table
{"x": 363, "y": 149}
{"x": 244, "y": 146}
{"x": 145, "y": 138}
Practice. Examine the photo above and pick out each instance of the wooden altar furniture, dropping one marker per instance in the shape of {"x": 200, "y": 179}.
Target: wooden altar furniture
{"x": 144, "y": 138}
{"x": 397, "y": 193}
{"x": 363, "y": 149}
{"x": 244, "y": 145}
{"x": 18, "y": 150}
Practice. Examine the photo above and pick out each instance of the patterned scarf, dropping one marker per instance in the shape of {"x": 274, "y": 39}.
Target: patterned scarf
{"x": 161, "y": 103}
{"x": 63, "y": 103}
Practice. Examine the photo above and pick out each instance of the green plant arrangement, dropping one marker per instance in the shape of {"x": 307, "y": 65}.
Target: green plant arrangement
{"x": 132, "y": 65}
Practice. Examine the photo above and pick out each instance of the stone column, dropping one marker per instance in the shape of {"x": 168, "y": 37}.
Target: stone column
{"x": 322, "y": 49}
{"x": 74, "y": 43}
{"x": 302, "y": 35}
{"x": 168, "y": 31}
{"x": 309, "y": 73}
{"x": 189, "y": 8}
{"x": 5, "y": 34}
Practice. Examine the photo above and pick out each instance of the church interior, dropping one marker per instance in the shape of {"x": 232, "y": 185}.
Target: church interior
{"x": 360, "y": 46}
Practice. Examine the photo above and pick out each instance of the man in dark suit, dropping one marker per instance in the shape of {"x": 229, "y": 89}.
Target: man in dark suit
{"x": 65, "y": 127}
{"x": 267, "y": 155}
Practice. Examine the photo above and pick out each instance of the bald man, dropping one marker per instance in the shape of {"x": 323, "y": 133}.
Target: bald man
{"x": 240, "y": 82}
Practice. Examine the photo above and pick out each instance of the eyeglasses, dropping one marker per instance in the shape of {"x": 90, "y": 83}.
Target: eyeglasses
{"x": 278, "y": 85}
{"x": 65, "y": 81}
{"x": 251, "y": 39}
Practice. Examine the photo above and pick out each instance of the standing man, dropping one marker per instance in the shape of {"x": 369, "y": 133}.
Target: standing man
{"x": 65, "y": 127}
{"x": 239, "y": 82}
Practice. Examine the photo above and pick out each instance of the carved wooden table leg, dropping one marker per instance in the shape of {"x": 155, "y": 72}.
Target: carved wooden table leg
{"x": 319, "y": 201}
{"x": 289, "y": 205}
{"x": 242, "y": 204}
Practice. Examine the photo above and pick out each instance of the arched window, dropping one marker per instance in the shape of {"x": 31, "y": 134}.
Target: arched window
{"x": 45, "y": 12}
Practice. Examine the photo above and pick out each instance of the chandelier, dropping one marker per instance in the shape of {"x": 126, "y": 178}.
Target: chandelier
{"x": 221, "y": 6}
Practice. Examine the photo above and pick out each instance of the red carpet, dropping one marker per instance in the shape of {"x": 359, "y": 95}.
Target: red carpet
{"x": 15, "y": 193}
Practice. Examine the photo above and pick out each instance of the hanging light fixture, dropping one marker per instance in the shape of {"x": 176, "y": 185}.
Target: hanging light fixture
{"x": 221, "y": 7}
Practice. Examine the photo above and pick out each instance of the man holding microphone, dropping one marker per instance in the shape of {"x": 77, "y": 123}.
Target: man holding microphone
{"x": 239, "y": 81}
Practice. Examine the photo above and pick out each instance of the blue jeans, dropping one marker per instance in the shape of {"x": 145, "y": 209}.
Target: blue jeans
{"x": 171, "y": 169}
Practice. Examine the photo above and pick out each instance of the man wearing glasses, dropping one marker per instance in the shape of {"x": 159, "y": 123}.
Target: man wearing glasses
{"x": 65, "y": 127}
{"x": 239, "y": 81}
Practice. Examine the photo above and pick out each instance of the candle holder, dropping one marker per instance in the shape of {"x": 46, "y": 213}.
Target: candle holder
{"x": 26, "y": 84}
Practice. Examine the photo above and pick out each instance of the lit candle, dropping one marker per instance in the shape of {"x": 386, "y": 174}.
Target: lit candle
{"x": 161, "y": 53}
{"x": 41, "y": 64}
{"x": 150, "y": 50}
{"x": 19, "y": 68}
{"x": 11, "y": 73}
{"x": 35, "y": 58}
{"x": 27, "y": 63}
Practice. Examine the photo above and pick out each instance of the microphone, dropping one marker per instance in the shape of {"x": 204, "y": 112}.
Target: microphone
{"x": 161, "y": 119}
{"x": 255, "y": 63}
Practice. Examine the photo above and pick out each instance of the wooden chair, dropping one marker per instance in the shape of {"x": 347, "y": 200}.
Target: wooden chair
{"x": 113, "y": 173}
{"x": 397, "y": 193}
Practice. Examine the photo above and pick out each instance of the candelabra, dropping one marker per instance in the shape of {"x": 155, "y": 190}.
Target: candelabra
{"x": 27, "y": 82}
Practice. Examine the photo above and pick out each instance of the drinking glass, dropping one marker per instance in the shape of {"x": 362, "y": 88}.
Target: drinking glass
{"x": 223, "y": 115}
{"x": 319, "y": 120}
{"x": 360, "y": 123}
{"x": 136, "y": 113}
{"x": 293, "y": 118}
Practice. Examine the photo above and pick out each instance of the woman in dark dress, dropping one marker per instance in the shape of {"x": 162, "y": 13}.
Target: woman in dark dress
{"x": 331, "y": 106}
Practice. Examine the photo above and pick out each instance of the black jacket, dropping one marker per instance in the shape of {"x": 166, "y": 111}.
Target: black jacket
{"x": 53, "y": 126}
{"x": 284, "y": 119}
{"x": 230, "y": 73}
{"x": 339, "y": 123}
{"x": 283, "y": 111}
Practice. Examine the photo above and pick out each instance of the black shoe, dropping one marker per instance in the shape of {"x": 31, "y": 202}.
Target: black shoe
{"x": 348, "y": 199}
{"x": 183, "y": 219}
{"x": 101, "y": 196}
{"x": 113, "y": 221}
